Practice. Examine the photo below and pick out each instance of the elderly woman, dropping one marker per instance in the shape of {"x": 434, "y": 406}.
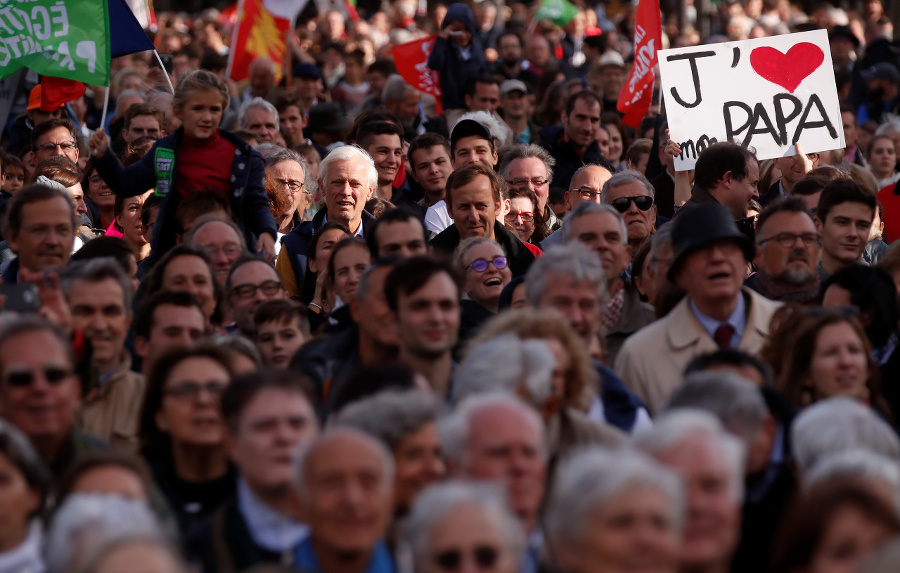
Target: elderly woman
{"x": 289, "y": 188}
{"x": 615, "y": 511}
{"x": 544, "y": 362}
{"x": 24, "y": 481}
{"x": 485, "y": 269}
{"x": 406, "y": 423}
{"x": 462, "y": 527}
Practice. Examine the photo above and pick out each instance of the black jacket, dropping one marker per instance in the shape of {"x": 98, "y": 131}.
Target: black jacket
{"x": 520, "y": 258}
{"x": 568, "y": 157}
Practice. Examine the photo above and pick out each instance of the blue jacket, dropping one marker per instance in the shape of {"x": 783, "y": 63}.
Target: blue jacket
{"x": 446, "y": 59}
{"x": 249, "y": 202}
{"x": 297, "y": 241}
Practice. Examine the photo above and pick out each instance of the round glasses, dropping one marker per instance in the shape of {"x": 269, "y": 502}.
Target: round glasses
{"x": 481, "y": 265}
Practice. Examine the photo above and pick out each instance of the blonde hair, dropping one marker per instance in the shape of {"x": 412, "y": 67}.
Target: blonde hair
{"x": 545, "y": 324}
{"x": 199, "y": 80}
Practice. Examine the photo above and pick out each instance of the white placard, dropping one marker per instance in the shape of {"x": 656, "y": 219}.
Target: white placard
{"x": 765, "y": 94}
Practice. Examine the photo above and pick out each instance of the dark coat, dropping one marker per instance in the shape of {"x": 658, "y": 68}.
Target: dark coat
{"x": 620, "y": 405}
{"x": 224, "y": 543}
{"x": 568, "y": 157}
{"x": 329, "y": 363}
{"x": 664, "y": 195}
{"x": 249, "y": 202}
{"x": 19, "y": 135}
{"x": 771, "y": 195}
{"x": 520, "y": 258}
{"x": 296, "y": 243}
{"x": 446, "y": 59}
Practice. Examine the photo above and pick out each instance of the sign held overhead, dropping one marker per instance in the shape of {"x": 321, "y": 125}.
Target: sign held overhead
{"x": 764, "y": 94}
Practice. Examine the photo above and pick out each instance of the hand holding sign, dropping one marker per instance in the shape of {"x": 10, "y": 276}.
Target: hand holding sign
{"x": 766, "y": 94}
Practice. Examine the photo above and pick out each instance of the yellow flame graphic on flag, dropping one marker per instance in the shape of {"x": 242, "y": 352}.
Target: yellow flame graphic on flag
{"x": 265, "y": 37}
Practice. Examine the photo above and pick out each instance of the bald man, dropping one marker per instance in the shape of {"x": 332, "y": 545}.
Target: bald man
{"x": 586, "y": 184}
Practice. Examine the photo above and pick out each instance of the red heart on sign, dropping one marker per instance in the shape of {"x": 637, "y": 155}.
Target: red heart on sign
{"x": 787, "y": 70}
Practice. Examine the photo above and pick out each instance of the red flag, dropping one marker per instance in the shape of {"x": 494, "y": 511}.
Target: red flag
{"x": 57, "y": 91}
{"x": 636, "y": 95}
{"x": 411, "y": 60}
{"x": 262, "y": 31}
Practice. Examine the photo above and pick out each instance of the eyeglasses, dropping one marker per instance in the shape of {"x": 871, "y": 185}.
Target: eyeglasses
{"x": 268, "y": 288}
{"x": 192, "y": 390}
{"x": 293, "y": 186}
{"x": 65, "y": 146}
{"x": 536, "y": 182}
{"x": 587, "y": 193}
{"x": 95, "y": 179}
{"x": 526, "y": 216}
{"x": 481, "y": 265}
{"x": 229, "y": 250}
{"x": 21, "y": 378}
{"x": 788, "y": 240}
{"x": 622, "y": 204}
{"x": 484, "y": 556}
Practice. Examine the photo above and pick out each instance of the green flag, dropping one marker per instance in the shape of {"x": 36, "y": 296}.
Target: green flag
{"x": 60, "y": 38}
{"x": 557, "y": 11}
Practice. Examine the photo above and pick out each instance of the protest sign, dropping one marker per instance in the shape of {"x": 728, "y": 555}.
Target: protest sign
{"x": 637, "y": 93}
{"x": 765, "y": 94}
{"x": 60, "y": 38}
{"x": 411, "y": 60}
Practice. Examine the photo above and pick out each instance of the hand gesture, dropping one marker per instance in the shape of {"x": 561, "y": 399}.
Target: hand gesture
{"x": 266, "y": 247}
{"x": 672, "y": 149}
{"x": 99, "y": 142}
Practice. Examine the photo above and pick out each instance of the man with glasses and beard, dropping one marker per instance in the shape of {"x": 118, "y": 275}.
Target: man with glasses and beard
{"x": 787, "y": 252}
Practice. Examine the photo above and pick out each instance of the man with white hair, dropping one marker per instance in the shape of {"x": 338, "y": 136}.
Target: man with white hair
{"x": 496, "y": 437}
{"x": 344, "y": 483}
{"x": 710, "y": 462}
{"x": 836, "y": 425}
{"x": 348, "y": 179}
{"x": 260, "y": 118}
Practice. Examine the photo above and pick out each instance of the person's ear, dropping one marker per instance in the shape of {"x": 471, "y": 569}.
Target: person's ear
{"x": 819, "y": 224}
{"x": 140, "y": 346}
{"x": 162, "y": 422}
{"x": 727, "y": 178}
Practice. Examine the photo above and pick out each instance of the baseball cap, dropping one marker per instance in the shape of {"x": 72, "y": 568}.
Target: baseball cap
{"x": 34, "y": 98}
{"x": 513, "y": 85}
{"x": 469, "y": 128}
{"x": 882, "y": 70}
{"x": 611, "y": 58}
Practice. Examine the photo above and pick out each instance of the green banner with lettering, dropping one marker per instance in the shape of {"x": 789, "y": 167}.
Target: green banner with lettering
{"x": 60, "y": 38}
{"x": 557, "y": 11}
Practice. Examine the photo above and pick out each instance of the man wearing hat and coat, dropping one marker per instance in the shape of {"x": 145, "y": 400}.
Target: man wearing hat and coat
{"x": 882, "y": 96}
{"x": 710, "y": 263}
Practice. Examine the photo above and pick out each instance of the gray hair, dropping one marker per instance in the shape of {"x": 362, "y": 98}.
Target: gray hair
{"x": 96, "y": 557}
{"x": 268, "y": 63}
{"x": 525, "y": 151}
{"x": 348, "y": 153}
{"x": 573, "y": 260}
{"x": 529, "y": 363}
{"x": 434, "y": 506}
{"x": 624, "y": 178}
{"x": 859, "y": 464}
{"x": 889, "y": 127}
{"x": 120, "y": 100}
{"x": 205, "y": 220}
{"x": 467, "y": 244}
{"x": 395, "y": 89}
{"x": 836, "y": 425}
{"x": 258, "y": 103}
{"x": 676, "y": 426}
{"x": 390, "y": 416}
{"x": 736, "y": 402}
{"x": 324, "y": 440}
{"x": 87, "y": 521}
{"x": 281, "y": 155}
{"x": 593, "y": 477}
{"x": 454, "y": 429}
{"x": 586, "y": 208}
{"x": 97, "y": 270}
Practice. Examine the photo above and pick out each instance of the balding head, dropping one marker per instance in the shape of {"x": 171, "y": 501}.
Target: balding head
{"x": 586, "y": 185}
{"x": 222, "y": 241}
{"x": 344, "y": 480}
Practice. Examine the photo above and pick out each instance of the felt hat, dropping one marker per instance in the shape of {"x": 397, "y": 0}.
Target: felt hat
{"x": 327, "y": 117}
{"x": 701, "y": 226}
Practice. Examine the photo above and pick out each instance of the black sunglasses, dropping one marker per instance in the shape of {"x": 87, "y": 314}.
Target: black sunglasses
{"x": 22, "y": 378}
{"x": 451, "y": 560}
{"x": 623, "y": 203}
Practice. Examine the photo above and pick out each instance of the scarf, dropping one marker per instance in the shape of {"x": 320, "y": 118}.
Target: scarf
{"x": 26, "y": 558}
{"x": 772, "y": 289}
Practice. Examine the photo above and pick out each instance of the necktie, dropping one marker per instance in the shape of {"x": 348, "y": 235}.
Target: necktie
{"x": 723, "y": 335}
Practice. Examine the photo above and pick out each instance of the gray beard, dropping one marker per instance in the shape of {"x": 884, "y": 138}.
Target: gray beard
{"x": 796, "y": 277}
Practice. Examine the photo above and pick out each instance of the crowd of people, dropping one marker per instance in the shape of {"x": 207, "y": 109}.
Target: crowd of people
{"x": 309, "y": 323}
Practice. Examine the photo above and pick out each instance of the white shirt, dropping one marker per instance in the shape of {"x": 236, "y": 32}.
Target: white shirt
{"x": 437, "y": 218}
{"x": 269, "y": 529}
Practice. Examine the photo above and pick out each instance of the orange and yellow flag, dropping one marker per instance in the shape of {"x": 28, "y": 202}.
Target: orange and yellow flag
{"x": 262, "y": 31}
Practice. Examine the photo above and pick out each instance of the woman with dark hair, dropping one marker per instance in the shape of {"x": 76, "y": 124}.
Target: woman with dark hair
{"x": 182, "y": 431}
{"x": 96, "y": 190}
{"x": 524, "y": 216}
{"x": 187, "y": 268}
{"x": 834, "y": 528}
{"x": 348, "y": 261}
{"x": 128, "y": 224}
{"x": 619, "y": 139}
{"x": 315, "y": 284}
{"x": 24, "y": 481}
{"x": 830, "y": 356}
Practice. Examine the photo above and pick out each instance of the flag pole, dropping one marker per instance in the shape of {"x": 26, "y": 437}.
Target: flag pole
{"x": 234, "y": 35}
{"x": 105, "y": 107}
{"x": 163, "y": 68}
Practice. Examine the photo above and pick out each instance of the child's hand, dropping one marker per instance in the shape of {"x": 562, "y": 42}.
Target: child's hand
{"x": 266, "y": 247}
{"x": 98, "y": 143}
